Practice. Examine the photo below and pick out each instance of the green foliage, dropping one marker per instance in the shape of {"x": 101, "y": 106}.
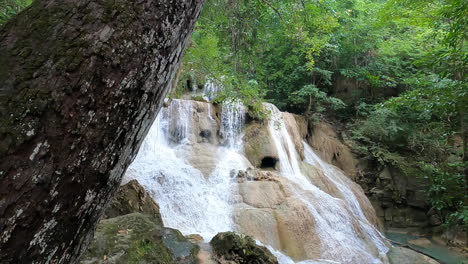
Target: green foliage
{"x": 314, "y": 98}
{"x": 9, "y": 8}
{"x": 413, "y": 132}
{"x": 447, "y": 191}
{"x": 396, "y": 69}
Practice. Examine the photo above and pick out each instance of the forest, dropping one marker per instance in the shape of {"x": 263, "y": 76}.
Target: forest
{"x": 389, "y": 75}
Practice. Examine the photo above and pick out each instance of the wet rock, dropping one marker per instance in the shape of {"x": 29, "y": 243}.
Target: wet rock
{"x": 422, "y": 242}
{"x": 137, "y": 238}
{"x": 132, "y": 198}
{"x": 206, "y": 134}
{"x": 326, "y": 141}
{"x": 241, "y": 249}
{"x": 401, "y": 255}
{"x": 261, "y": 194}
{"x": 255, "y": 175}
{"x": 202, "y": 156}
{"x": 258, "y": 144}
{"x": 195, "y": 238}
{"x": 294, "y": 132}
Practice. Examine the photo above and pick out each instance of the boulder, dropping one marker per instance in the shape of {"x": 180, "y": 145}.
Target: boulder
{"x": 241, "y": 249}
{"x": 259, "y": 147}
{"x": 422, "y": 242}
{"x": 132, "y": 198}
{"x": 401, "y": 255}
{"x": 261, "y": 194}
{"x": 324, "y": 139}
{"x": 137, "y": 238}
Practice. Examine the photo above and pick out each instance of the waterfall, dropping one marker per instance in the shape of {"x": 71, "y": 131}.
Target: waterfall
{"x": 200, "y": 202}
{"x": 335, "y": 223}
{"x": 233, "y": 119}
{"x": 211, "y": 90}
{"x": 188, "y": 201}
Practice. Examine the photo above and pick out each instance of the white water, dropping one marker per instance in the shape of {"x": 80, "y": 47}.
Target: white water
{"x": 211, "y": 90}
{"x": 188, "y": 201}
{"x": 335, "y": 224}
{"x": 196, "y": 204}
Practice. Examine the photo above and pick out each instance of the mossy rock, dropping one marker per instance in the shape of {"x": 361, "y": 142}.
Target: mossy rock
{"x": 241, "y": 249}
{"x": 133, "y": 198}
{"x": 136, "y": 238}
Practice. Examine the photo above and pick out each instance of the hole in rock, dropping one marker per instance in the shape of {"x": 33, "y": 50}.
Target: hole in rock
{"x": 205, "y": 134}
{"x": 189, "y": 85}
{"x": 268, "y": 162}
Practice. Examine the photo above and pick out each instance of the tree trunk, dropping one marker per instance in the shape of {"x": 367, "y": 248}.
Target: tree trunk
{"x": 80, "y": 84}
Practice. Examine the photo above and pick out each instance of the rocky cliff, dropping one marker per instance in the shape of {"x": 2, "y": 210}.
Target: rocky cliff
{"x": 80, "y": 84}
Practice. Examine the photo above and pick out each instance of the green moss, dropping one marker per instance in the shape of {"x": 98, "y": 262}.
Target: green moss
{"x": 146, "y": 251}
{"x": 198, "y": 98}
{"x": 241, "y": 249}
{"x": 136, "y": 238}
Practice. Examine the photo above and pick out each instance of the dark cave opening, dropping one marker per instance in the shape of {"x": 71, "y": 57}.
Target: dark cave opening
{"x": 268, "y": 162}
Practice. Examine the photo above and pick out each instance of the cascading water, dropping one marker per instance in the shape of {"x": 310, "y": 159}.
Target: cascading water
{"x": 197, "y": 202}
{"x": 188, "y": 201}
{"x": 335, "y": 224}
{"x": 211, "y": 90}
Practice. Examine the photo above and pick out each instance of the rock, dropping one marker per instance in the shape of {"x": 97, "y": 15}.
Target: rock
{"x": 302, "y": 125}
{"x": 75, "y": 106}
{"x": 137, "y": 238}
{"x": 324, "y": 139}
{"x": 195, "y": 238}
{"x": 241, "y": 249}
{"x": 259, "y": 223}
{"x": 294, "y": 132}
{"x": 202, "y": 156}
{"x": 385, "y": 174}
{"x": 422, "y": 242}
{"x": 402, "y": 217}
{"x": 206, "y": 134}
{"x": 132, "y": 198}
{"x": 261, "y": 194}
{"x": 435, "y": 220}
{"x": 401, "y": 255}
{"x": 259, "y": 146}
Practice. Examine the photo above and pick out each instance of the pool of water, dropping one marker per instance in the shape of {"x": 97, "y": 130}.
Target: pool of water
{"x": 436, "y": 251}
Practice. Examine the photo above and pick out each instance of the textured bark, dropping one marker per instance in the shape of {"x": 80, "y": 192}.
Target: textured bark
{"x": 80, "y": 84}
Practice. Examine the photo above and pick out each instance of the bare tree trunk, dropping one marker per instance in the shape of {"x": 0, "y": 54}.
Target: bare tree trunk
{"x": 80, "y": 84}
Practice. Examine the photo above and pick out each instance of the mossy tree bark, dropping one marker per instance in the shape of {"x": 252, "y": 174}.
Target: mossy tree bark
{"x": 80, "y": 84}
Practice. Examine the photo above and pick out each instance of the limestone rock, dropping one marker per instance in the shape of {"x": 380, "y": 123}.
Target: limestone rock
{"x": 296, "y": 135}
{"x": 256, "y": 175}
{"x": 261, "y": 194}
{"x": 422, "y": 242}
{"x": 401, "y": 255}
{"x": 324, "y": 139}
{"x": 241, "y": 249}
{"x": 132, "y": 198}
{"x": 259, "y": 146}
{"x": 137, "y": 238}
{"x": 259, "y": 223}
